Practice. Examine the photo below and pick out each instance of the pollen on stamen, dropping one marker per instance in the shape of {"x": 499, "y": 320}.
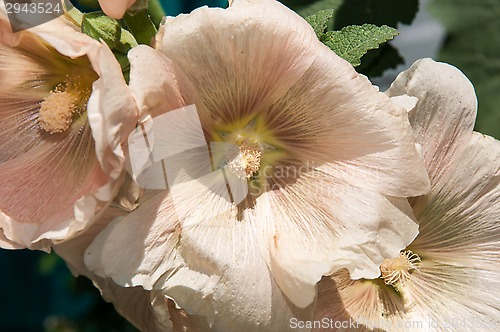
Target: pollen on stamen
{"x": 244, "y": 160}
{"x": 58, "y": 109}
{"x": 398, "y": 270}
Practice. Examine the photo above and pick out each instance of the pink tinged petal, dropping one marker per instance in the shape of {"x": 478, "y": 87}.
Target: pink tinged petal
{"x": 138, "y": 249}
{"x": 443, "y": 292}
{"x": 237, "y": 72}
{"x": 153, "y": 96}
{"x": 334, "y": 226}
{"x": 40, "y": 199}
{"x": 111, "y": 112}
{"x": 227, "y": 279}
{"x": 459, "y": 246}
{"x": 7, "y": 37}
{"x": 444, "y": 116}
{"x": 115, "y": 8}
{"x": 66, "y": 38}
{"x": 360, "y": 305}
{"x": 334, "y": 118}
{"x": 460, "y": 218}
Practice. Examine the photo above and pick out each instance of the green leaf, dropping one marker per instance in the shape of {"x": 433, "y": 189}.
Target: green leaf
{"x": 352, "y": 42}
{"x": 140, "y": 25}
{"x": 98, "y": 26}
{"x": 319, "y": 21}
{"x": 473, "y": 46}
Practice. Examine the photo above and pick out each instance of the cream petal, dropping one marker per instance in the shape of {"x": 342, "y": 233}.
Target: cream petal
{"x": 138, "y": 249}
{"x": 111, "y": 112}
{"x": 459, "y": 220}
{"x": 457, "y": 295}
{"x": 66, "y": 38}
{"x": 203, "y": 280}
{"x": 458, "y": 244}
{"x": 226, "y": 71}
{"x": 157, "y": 96}
{"x": 444, "y": 116}
{"x": 7, "y": 37}
{"x": 334, "y": 226}
{"x": 229, "y": 281}
{"x": 336, "y": 120}
{"x": 359, "y": 305}
{"x": 6, "y": 243}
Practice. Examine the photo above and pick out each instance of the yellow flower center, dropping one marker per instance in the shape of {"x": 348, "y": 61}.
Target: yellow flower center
{"x": 66, "y": 102}
{"x": 398, "y": 270}
{"x": 244, "y": 158}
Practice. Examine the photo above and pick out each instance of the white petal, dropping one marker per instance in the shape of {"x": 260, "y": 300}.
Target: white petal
{"x": 444, "y": 116}
{"x": 153, "y": 96}
{"x": 321, "y": 226}
{"x": 460, "y": 218}
{"x": 337, "y": 121}
{"x": 138, "y": 249}
{"x": 111, "y": 112}
{"x": 229, "y": 282}
{"x": 227, "y": 71}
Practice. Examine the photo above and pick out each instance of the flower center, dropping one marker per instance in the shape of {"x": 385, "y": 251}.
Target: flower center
{"x": 244, "y": 158}
{"x": 398, "y": 270}
{"x": 63, "y": 104}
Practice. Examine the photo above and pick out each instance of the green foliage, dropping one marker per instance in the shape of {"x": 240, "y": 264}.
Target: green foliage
{"x": 98, "y": 26}
{"x": 352, "y": 42}
{"x": 358, "y": 12}
{"x": 319, "y": 21}
{"x": 473, "y": 45}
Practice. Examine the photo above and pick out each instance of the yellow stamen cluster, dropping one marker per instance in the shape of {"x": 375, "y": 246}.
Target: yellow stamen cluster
{"x": 61, "y": 105}
{"x": 398, "y": 270}
{"x": 245, "y": 162}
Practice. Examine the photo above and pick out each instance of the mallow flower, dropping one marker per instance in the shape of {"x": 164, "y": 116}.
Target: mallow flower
{"x": 264, "y": 153}
{"x": 64, "y": 106}
{"x": 448, "y": 278}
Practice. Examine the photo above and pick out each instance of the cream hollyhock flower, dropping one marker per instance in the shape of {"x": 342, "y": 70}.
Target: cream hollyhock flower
{"x": 325, "y": 157}
{"x": 115, "y": 8}
{"x": 448, "y": 278}
{"x": 64, "y": 107}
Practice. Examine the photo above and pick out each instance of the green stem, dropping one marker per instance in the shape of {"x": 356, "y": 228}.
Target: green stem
{"x": 140, "y": 25}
